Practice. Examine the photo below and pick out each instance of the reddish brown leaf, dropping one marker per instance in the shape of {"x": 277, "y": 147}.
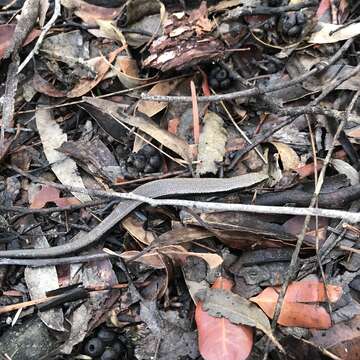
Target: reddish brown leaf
{"x": 294, "y": 310}
{"x": 49, "y": 194}
{"x": 6, "y": 34}
{"x": 312, "y": 291}
{"x": 218, "y": 337}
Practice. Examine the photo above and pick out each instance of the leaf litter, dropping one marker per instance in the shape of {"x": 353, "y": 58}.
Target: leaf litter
{"x": 253, "y": 102}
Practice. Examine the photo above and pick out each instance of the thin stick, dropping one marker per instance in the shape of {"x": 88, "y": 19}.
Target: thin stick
{"x": 46, "y": 28}
{"x": 295, "y": 256}
{"x": 195, "y": 111}
{"x": 351, "y": 217}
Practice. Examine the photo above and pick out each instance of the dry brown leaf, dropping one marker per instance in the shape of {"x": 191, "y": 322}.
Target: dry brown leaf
{"x": 290, "y": 160}
{"x": 126, "y": 69}
{"x": 225, "y": 4}
{"x": 213, "y": 260}
{"x": 128, "y": 66}
{"x": 90, "y": 14}
{"x": 151, "y": 259}
{"x": 25, "y": 23}
{"x": 135, "y": 227}
{"x": 169, "y": 140}
{"x": 151, "y": 108}
{"x": 6, "y": 35}
{"x": 101, "y": 65}
{"x": 44, "y": 87}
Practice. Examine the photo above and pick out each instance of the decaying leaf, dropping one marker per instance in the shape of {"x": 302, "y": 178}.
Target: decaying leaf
{"x": 151, "y": 108}
{"x": 224, "y": 303}
{"x": 218, "y": 337}
{"x": 52, "y": 137}
{"x": 295, "y": 311}
{"x": 91, "y": 13}
{"x": 323, "y": 33}
{"x": 93, "y": 274}
{"x": 289, "y": 158}
{"x": 127, "y": 71}
{"x": 342, "y": 339}
{"x": 146, "y": 125}
{"x": 212, "y": 144}
{"x": 135, "y": 227}
{"x": 101, "y": 66}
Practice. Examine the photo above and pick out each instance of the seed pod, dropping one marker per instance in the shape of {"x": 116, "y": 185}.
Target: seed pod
{"x": 106, "y": 336}
{"x": 155, "y": 162}
{"x": 94, "y": 347}
{"x": 109, "y": 354}
{"x": 118, "y": 347}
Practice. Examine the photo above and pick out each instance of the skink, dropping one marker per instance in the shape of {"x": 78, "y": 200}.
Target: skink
{"x": 154, "y": 189}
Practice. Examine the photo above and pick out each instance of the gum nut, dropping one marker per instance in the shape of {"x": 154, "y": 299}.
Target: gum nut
{"x": 155, "y": 161}
{"x": 214, "y": 71}
{"x": 300, "y": 18}
{"x": 225, "y": 84}
{"x": 222, "y": 75}
{"x": 106, "y": 335}
{"x": 148, "y": 150}
{"x": 139, "y": 161}
{"x": 148, "y": 169}
{"x": 109, "y": 354}
{"x": 94, "y": 347}
{"x": 118, "y": 347}
{"x": 295, "y": 31}
{"x": 214, "y": 83}
{"x": 288, "y": 23}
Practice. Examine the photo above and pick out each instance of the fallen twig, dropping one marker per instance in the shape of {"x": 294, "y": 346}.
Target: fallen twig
{"x": 46, "y": 28}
